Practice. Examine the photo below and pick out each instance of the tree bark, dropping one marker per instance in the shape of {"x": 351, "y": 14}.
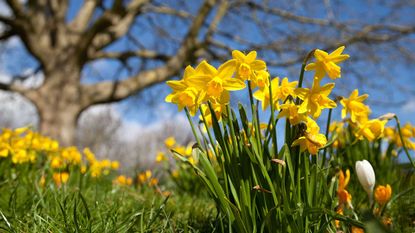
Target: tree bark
{"x": 59, "y": 102}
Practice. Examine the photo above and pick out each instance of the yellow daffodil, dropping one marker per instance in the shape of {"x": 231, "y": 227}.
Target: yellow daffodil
{"x": 170, "y": 142}
{"x": 123, "y": 180}
{"x": 216, "y": 81}
{"x": 315, "y": 99}
{"x": 60, "y": 178}
{"x": 247, "y": 65}
{"x": 260, "y": 80}
{"x": 143, "y": 177}
{"x": 355, "y": 106}
{"x": 311, "y": 140}
{"x": 263, "y": 95}
{"x": 186, "y": 95}
{"x": 327, "y": 63}
{"x": 287, "y": 89}
{"x": 370, "y": 129}
{"x": 290, "y": 111}
{"x": 218, "y": 106}
{"x": 383, "y": 194}
{"x": 160, "y": 157}
{"x": 344, "y": 196}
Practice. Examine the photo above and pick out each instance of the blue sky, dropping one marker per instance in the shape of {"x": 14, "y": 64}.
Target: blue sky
{"x": 146, "y": 106}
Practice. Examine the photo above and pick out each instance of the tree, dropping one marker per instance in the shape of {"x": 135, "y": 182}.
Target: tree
{"x": 63, "y": 46}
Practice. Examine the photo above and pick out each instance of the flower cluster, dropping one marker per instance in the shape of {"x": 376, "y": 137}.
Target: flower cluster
{"x": 23, "y": 145}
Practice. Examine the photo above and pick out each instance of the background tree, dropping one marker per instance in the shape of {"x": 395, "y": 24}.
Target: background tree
{"x": 153, "y": 40}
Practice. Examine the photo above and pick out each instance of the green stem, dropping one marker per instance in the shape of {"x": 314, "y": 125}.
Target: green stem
{"x": 189, "y": 118}
{"x": 403, "y": 142}
{"x": 327, "y": 134}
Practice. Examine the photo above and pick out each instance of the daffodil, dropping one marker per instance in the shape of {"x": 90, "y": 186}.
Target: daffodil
{"x": 216, "y": 81}
{"x": 260, "y": 80}
{"x": 287, "y": 89}
{"x": 327, "y": 63}
{"x": 311, "y": 140}
{"x": 123, "y": 180}
{"x": 345, "y": 198}
{"x": 355, "y": 106}
{"x": 290, "y": 111}
{"x": 247, "y": 66}
{"x": 170, "y": 142}
{"x": 315, "y": 99}
{"x": 186, "y": 95}
{"x": 218, "y": 106}
{"x": 370, "y": 129}
{"x": 263, "y": 95}
{"x": 160, "y": 157}
{"x": 60, "y": 178}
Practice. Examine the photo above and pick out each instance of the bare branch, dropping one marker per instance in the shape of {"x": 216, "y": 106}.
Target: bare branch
{"x": 81, "y": 20}
{"x": 145, "y": 54}
{"x": 112, "y": 91}
{"x": 112, "y": 25}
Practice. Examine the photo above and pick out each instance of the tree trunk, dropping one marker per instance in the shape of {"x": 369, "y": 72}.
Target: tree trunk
{"x": 59, "y": 102}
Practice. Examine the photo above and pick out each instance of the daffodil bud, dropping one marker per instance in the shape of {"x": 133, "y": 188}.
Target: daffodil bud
{"x": 366, "y": 176}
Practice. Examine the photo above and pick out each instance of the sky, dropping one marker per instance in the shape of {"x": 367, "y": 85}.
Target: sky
{"x": 149, "y": 108}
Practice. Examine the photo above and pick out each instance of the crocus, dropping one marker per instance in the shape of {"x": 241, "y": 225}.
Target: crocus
{"x": 366, "y": 176}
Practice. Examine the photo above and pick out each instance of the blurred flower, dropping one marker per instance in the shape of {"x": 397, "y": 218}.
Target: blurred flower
{"x": 345, "y": 198}
{"x": 123, "y": 180}
{"x": 160, "y": 157}
{"x": 287, "y": 89}
{"x": 383, "y": 194}
{"x": 170, "y": 142}
{"x": 327, "y": 63}
{"x": 366, "y": 176}
{"x": 60, "y": 178}
{"x": 370, "y": 129}
{"x": 143, "y": 177}
{"x": 357, "y": 230}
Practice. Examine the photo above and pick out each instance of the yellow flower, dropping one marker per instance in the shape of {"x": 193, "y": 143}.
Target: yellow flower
{"x": 60, "y": 178}
{"x": 290, "y": 110}
{"x": 215, "y": 82}
{"x": 287, "y": 89}
{"x": 263, "y": 95}
{"x": 56, "y": 162}
{"x": 247, "y": 65}
{"x": 315, "y": 99}
{"x": 357, "y": 230}
{"x": 327, "y": 63}
{"x": 90, "y": 156}
{"x": 123, "y": 180}
{"x": 143, "y": 177}
{"x": 345, "y": 198}
{"x": 160, "y": 157}
{"x": 218, "y": 106}
{"x": 170, "y": 142}
{"x": 260, "y": 80}
{"x": 186, "y": 95}
{"x": 370, "y": 129}
{"x": 354, "y": 105}
{"x": 153, "y": 182}
{"x": 311, "y": 140}
{"x": 383, "y": 194}
{"x": 115, "y": 165}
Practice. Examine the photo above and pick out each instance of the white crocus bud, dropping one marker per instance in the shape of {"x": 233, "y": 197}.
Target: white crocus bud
{"x": 366, "y": 175}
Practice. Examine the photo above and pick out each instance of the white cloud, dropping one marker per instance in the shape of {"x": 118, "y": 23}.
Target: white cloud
{"x": 409, "y": 106}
